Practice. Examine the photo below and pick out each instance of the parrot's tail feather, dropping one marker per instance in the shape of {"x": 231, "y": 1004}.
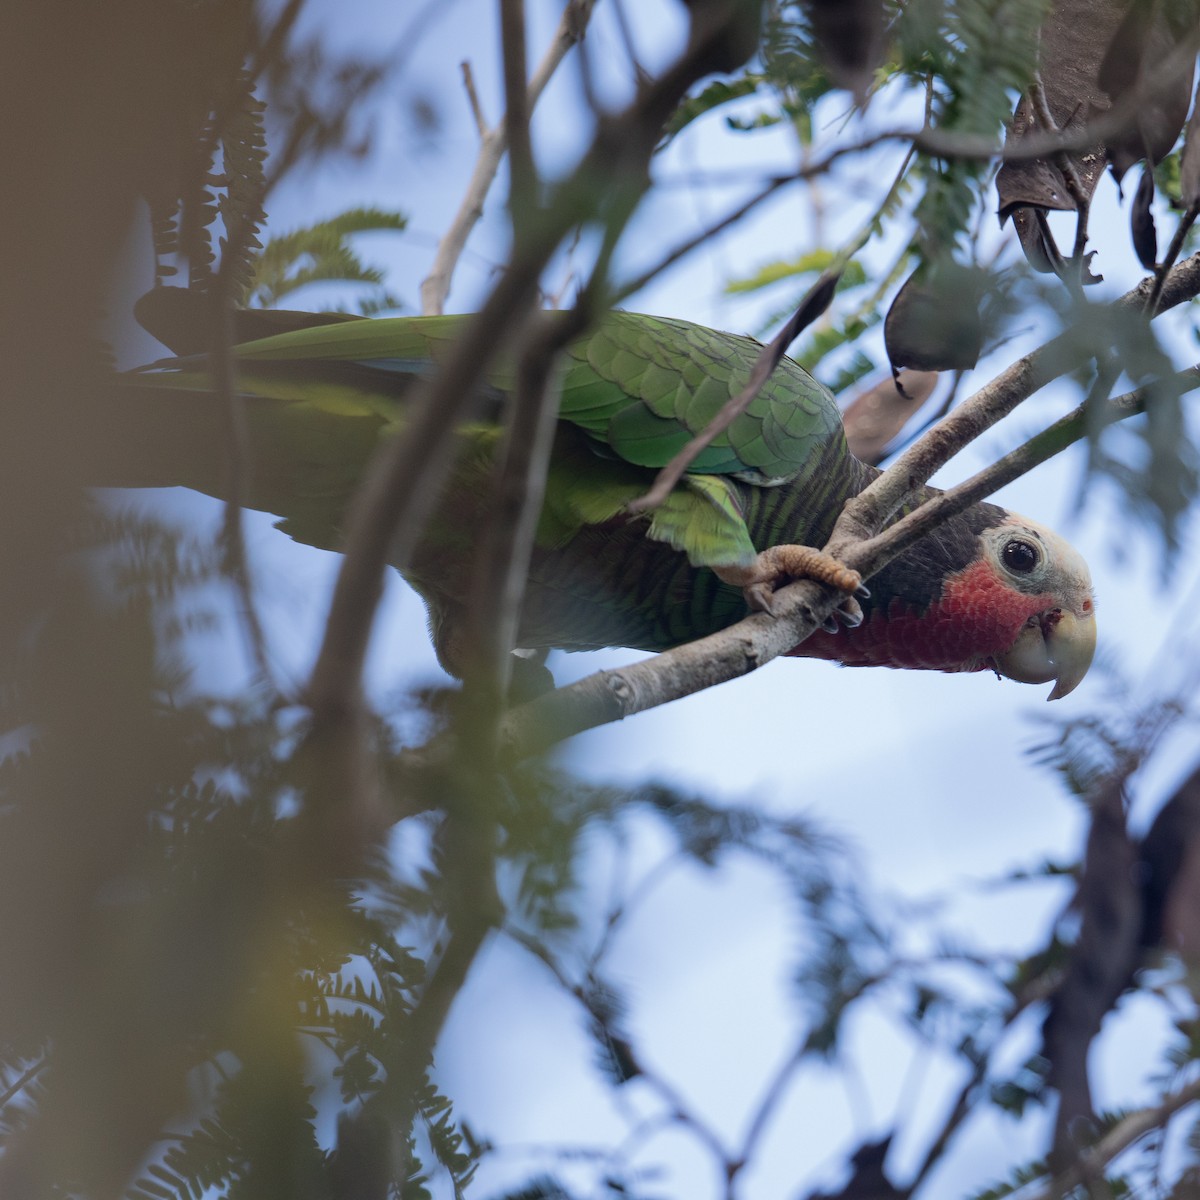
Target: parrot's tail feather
{"x": 139, "y": 435}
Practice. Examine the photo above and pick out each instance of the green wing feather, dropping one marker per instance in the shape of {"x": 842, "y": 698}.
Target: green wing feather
{"x": 637, "y": 389}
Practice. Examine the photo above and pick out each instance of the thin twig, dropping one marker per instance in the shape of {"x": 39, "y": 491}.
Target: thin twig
{"x": 1186, "y": 221}
{"x": 620, "y": 912}
{"x": 436, "y": 285}
{"x": 686, "y": 247}
{"x": 815, "y": 302}
{"x": 1091, "y": 1163}
{"x": 473, "y": 97}
{"x": 770, "y": 1099}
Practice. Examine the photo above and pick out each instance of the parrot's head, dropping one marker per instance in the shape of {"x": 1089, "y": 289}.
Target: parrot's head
{"x": 1051, "y": 589}
{"x": 992, "y": 591}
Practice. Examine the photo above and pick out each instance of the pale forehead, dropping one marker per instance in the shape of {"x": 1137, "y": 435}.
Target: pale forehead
{"x": 1065, "y": 555}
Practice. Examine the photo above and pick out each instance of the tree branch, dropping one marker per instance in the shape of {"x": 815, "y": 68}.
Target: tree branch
{"x": 869, "y": 510}
{"x": 436, "y": 285}
{"x": 522, "y": 191}
{"x": 502, "y": 566}
{"x": 686, "y": 247}
{"x": 1091, "y": 1163}
{"x": 1037, "y": 450}
{"x": 473, "y": 97}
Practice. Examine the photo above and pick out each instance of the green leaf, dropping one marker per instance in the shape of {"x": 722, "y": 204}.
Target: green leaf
{"x": 812, "y": 263}
{"x": 716, "y": 94}
{"x": 323, "y": 253}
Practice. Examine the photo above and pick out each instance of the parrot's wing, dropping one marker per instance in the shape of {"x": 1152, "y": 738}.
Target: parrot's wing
{"x": 645, "y": 386}
{"x": 639, "y": 388}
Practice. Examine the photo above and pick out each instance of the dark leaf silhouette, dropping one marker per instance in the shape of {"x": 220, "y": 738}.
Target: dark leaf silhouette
{"x": 1074, "y": 39}
{"x": 1169, "y": 869}
{"x": 934, "y": 322}
{"x": 1141, "y": 222}
{"x": 1134, "y": 63}
{"x": 1075, "y": 36}
{"x": 1095, "y": 56}
{"x": 849, "y": 37}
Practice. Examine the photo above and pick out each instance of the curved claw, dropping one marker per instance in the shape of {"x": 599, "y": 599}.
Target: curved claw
{"x": 760, "y": 597}
{"x": 849, "y": 612}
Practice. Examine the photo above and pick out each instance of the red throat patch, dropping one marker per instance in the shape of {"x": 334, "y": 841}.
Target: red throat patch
{"x": 978, "y": 615}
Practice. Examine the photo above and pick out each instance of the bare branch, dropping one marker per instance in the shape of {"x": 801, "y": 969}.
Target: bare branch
{"x": 473, "y": 97}
{"x": 436, "y": 285}
{"x": 615, "y": 694}
{"x": 1037, "y": 450}
{"x": 1136, "y": 1125}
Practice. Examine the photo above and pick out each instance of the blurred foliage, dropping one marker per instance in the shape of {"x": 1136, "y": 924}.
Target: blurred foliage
{"x": 324, "y": 252}
{"x": 212, "y": 984}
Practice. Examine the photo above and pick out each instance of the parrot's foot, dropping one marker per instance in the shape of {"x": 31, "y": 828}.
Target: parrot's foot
{"x": 779, "y": 565}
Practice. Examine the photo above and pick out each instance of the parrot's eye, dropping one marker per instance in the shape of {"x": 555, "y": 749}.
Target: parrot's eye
{"x": 1020, "y": 557}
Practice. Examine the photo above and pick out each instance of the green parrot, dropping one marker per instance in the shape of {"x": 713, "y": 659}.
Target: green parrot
{"x": 987, "y": 590}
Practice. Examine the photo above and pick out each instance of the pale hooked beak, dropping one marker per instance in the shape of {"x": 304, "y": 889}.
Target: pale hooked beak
{"x": 1058, "y": 646}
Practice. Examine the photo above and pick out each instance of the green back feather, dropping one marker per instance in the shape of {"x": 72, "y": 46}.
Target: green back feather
{"x": 634, "y": 392}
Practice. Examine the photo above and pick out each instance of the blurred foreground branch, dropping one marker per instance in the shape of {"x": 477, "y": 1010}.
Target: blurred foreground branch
{"x": 493, "y": 142}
